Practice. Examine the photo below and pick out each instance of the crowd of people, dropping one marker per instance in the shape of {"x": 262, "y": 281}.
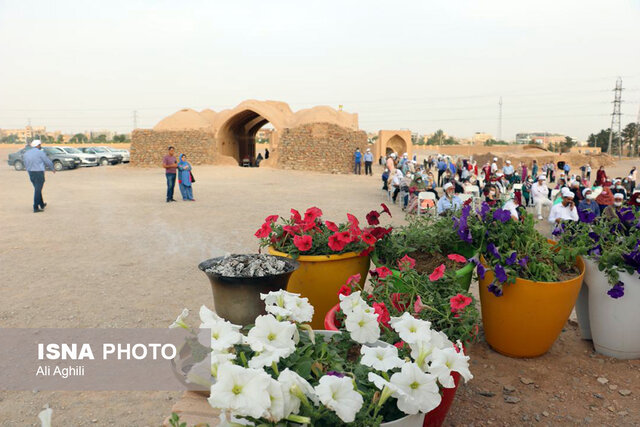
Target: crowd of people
{"x": 550, "y": 190}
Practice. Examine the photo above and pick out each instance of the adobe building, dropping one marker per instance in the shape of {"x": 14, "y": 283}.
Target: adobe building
{"x": 319, "y": 138}
{"x": 390, "y": 141}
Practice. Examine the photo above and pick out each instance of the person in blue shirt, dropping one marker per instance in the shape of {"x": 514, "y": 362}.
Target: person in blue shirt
{"x": 368, "y": 161}
{"x": 451, "y": 167}
{"x": 449, "y": 201}
{"x": 35, "y": 162}
{"x": 357, "y": 158}
{"x": 442, "y": 166}
{"x": 588, "y": 203}
{"x": 507, "y": 170}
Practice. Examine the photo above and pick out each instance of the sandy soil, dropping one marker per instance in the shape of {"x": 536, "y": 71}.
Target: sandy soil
{"x": 109, "y": 252}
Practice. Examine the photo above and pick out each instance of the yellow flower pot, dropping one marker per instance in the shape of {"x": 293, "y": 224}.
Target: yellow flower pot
{"x": 527, "y": 319}
{"x": 320, "y": 277}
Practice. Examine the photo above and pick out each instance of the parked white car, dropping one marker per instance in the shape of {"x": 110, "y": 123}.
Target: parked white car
{"x": 124, "y": 153}
{"x": 86, "y": 158}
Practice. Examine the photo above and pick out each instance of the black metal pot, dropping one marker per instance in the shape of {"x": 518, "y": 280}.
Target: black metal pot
{"x": 237, "y": 299}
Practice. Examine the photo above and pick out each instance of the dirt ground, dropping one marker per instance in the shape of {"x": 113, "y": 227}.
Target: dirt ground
{"x": 109, "y": 252}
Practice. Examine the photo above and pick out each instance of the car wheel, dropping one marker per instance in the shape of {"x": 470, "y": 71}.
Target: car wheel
{"x": 57, "y": 166}
{"x": 104, "y": 161}
{"x": 18, "y": 165}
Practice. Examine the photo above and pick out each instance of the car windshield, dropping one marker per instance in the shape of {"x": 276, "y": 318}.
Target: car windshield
{"x": 53, "y": 150}
{"x": 72, "y": 150}
{"x": 100, "y": 150}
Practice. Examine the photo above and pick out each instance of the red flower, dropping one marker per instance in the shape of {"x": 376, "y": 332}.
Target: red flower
{"x": 406, "y": 263}
{"x": 295, "y": 216}
{"x": 385, "y": 209}
{"x": 380, "y": 232}
{"x": 418, "y": 306}
{"x": 354, "y": 280}
{"x": 291, "y": 229}
{"x": 338, "y": 241}
{"x": 264, "y": 231}
{"x": 307, "y": 226}
{"x": 344, "y": 290}
{"x": 457, "y": 258}
{"x": 353, "y": 220}
{"x": 303, "y": 243}
{"x": 367, "y": 251}
{"x": 271, "y": 218}
{"x": 311, "y": 214}
{"x": 331, "y": 226}
{"x": 355, "y": 231}
{"x": 368, "y": 238}
{"x": 437, "y": 273}
{"x": 382, "y": 272}
{"x": 459, "y": 302}
{"x": 400, "y": 301}
{"x": 467, "y": 202}
{"x": 372, "y": 218}
{"x": 399, "y": 345}
{"x": 383, "y": 314}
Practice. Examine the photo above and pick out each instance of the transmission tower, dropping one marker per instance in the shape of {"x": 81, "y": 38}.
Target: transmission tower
{"x": 135, "y": 119}
{"x": 615, "y": 118}
{"x": 500, "y": 120}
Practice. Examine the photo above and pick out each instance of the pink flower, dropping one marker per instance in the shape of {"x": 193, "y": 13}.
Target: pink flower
{"x": 457, "y": 258}
{"x": 418, "y": 306}
{"x": 383, "y": 314}
{"x": 367, "y": 251}
{"x": 291, "y": 229}
{"x": 264, "y": 231}
{"x": 354, "y": 280}
{"x": 271, "y": 218}
{"x": 311, "y": 214}
{"x": 406, "y": 263}
{"x": 308, "y": 225}
{"x": 437, "y": 273}
{"x": 400, "y": 301}
{"x": 353, "y": 220}
{"x": 344, "y": 290}
{"x": 399, "y": 345}
{"x": 295, "y": 216}
{"x": 382, "y": 272}
{"x": 372, "y": 218}
{"x": 338, "y": 241}
{"x": 331, "y": 226}
{"x": 459, "y": 302}
{"x": 303, "y": 243}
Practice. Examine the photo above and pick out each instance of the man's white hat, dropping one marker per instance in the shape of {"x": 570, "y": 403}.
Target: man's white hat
{"x": 542, "y": 178}
{"x": 405, "y": 155}
{"x": 447, "y": 186}
{"x": 368, "y": 149}
{"x": 36, "y": 142}
{"x": 508, "y": 162}
{"x": 567, "y": 193}
{"x": 495, "y": 159}
{"x": 584, "y": 192}
{"x": 618, "y": 196}
{"x": 393, "y": 155}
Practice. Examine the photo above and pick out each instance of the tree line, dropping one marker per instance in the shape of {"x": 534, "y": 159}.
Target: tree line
{"x": 78, "y": 138}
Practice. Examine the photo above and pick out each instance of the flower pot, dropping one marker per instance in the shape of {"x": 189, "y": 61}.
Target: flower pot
{"x": 237, "y": 299}
{"x": 416, "y": 420}
{"x": 433, "y": 418}
{"x": 463, "y": 275}
{"x": 614, "y": 323}
{"x": 582, "y": 306}
{"x": 320, "y": 277}
{"x": 527, "y": 319}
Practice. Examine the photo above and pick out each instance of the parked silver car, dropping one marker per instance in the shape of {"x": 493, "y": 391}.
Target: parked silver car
{"x": 86, "y": 158}
{"x": 126, "y": 157}
{"x": 104, "y": 156}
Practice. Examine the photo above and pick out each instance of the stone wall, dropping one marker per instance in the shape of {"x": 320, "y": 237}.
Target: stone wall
{"x": 322, "y": 147}
{"x": 148, "y": 147}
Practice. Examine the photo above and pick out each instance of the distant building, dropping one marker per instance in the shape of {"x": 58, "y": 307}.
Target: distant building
{"x": 540, "y": 138}
{"x": 95, "y": 134}
{"x": 263, "y": 136}
{"x": 480, "y": 138}
{"x": 585, "y": 150}
{"x": 28, "y": 133}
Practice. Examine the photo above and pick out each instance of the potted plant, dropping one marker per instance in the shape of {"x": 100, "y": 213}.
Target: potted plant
{"x": 607, "y": 307}
{"x": 429, "y": 241}
{"x": 434, "y": 299}
{"x": 284, "y": 373}
{"x": 328, "y": 253}
{"x": 528, "y": 287}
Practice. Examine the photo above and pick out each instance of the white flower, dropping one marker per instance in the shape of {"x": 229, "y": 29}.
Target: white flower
{"x": 224, "y": 334}
{"x": 219, "y": 360}
{"x": 339, "y": 395}
{"x": 200, "y": 373}
{"x": 381, "y": 383}
{"x": 45, "y": 417}
{"x": 349, "y": 303}
{"x": 276, "y": 410}
{"x": 179, "y": 322}
{"x": 295, "y": 387}
{"x": 362, "y": 326}
{"x": 411, "y": 329}
{"x": 381, "y": 358}
{"x": 288, "y": 305}
{"x": 268, "y": 357}
{"x": 207, "y": 316}
{"x": 422, "y": 350}
{"x": 268, "y": 333}
{"x": 446, "y": 361}
{"x": 420, "y": 390}
{"x": 242, "y": 391}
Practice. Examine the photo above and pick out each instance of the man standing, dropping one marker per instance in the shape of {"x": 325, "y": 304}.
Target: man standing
{"x": 494, "y": 165}
{"x": 35, "y": 161}
{"x": 442, "y": 166}
{"x": 357, "y": 157}
{"x": 170, "y": 164}
{"x": 540, "y": 194}
{"x": 508, "y": 171}
{"x": 368, "y": 161}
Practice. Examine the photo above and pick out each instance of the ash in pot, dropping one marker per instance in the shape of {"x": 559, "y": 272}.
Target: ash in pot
{"x": 249, "y": 266}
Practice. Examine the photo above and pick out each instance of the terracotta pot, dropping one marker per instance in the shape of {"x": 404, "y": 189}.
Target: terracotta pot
{"x": 527, "y": 319}
{"x": 320, "y": 277}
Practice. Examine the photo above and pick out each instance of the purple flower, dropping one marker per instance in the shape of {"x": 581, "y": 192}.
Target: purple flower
{"x": 632, "y": 259}
{"x": 594, "y": 236}
{"x": 465, "y": 235}
{"x": 491, "y": 248}
{"x": 512, "y": 258}
{"x": 586, "y": 215}
{"x": 335, "y": 374}
{"x": 626, "y": 215}
{"x": 502, "y": 215}
{"x": 484, "y": 209}
{"x": 523, "y": 261}
{"x": 481, "y": 270}
{"x": 595, "y": 251}
{"x": 501, "y": 275}
{"x": 496, "y": 290}
{"x": 557, "y": 231}
{"x": 616, "y": 291}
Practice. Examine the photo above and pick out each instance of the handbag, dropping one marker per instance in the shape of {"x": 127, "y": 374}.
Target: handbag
{"x": 192, "y": 178}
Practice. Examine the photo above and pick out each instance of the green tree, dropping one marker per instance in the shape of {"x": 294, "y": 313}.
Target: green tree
{"x": 492, "y": 141}
{"x": 60, "y": 139}
{"x": 79, "y": 138}
{"x": 629, "y": 138}
{"x": 600, "y": 139}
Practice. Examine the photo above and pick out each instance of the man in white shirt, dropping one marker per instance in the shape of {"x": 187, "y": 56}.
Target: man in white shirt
{"x": 565, "y": 211}
{"x": 494, "y": 166}
{"x": 540, "y": 194}
{"x": 510, "y": 205}
{"x": 507, "y": 169}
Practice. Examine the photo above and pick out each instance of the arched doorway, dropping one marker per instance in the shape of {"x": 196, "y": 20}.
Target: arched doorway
{"x": 237, "y": 136}
{"x": 397, "y": 144}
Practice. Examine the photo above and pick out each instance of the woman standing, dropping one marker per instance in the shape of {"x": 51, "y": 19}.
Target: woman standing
{"x": 185, "y": 179}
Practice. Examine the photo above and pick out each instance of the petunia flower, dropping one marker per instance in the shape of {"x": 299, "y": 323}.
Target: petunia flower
{"x": 368, "y": 238}
{"x": 312, "y": 214}
{"x": 385, "y": 209}
{"x": 495, "y": 290}
{"x": 353, "y": 220}
{"x": 447, "y": 360}
{"x": 243, "y": 391}
{"x": 418, "y": 306}
{"x": 339, "y": 395}
{"x": 271, "y": 218}
{"x": 406, "y": 263}
{"x": 502, "y": 215}
{"x": 263, "y": 231}
{"x": 616, "y": 291}
{"x": 179, "y": 322}
{"x": 481, "y": 270}
{"x": 400, "y": 301}
{"x": 224, "y": 334}
{"x": 484, "y": 209}
{"x": 491, "y": 248}
{"x": 437, "y": 273}
{"x": 459, "y": 302}
{"x": 381, "y": 310}
{"x": 501, "y": 275}
{"x": 291, "y": 229}
{"x": 411, "y": 329}
{"x": 511, "y": 259}
{"x": 420, "y": 392}
{"x": 271, "y": 335}
{"x": 295, "y": 388}
{"x": 372, "y": 218}
{"x": 382, "y": 358}
{"x": 344, "y": 290}
{"x": 295, "y": 216}
{"x": 382, "y": 272}
{"x": 421, "y": 350}
{"x": 523, "y": 261}
{"x": 594, "y": 236}
{"x": 362, "y": 325}
{"x": 331, "y": 226}
{"x": 457, "y": 258}
{"x": 303, "y": 243}
{"x": 351, "y": 302}
{"x": 338, "y": 241}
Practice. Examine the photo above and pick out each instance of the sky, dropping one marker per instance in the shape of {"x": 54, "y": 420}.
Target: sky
{"x": 418, "y": 65}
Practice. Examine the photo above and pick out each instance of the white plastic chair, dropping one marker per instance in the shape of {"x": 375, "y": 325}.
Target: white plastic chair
{"x": 554, "y": 193}
{"x": 426, "y": 195}
{"x": 473, "y": 190}
{"x": 465, "y": 196}
{"x": 517, "y": 187}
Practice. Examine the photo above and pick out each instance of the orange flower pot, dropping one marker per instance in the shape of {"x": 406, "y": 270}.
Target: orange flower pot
{"x": 320, "y": 277}
{"x": 527, "y": 319}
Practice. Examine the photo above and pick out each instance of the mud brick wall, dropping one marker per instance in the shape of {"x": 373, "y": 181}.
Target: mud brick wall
{"x": 322, "y": 147}
{"x": 148, "y": 147}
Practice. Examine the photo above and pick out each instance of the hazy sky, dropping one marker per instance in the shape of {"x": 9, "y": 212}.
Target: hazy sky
{"x": 421, "y": 65}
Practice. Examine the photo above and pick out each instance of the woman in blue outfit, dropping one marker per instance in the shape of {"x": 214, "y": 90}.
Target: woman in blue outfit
{"x": 184, "y": 179}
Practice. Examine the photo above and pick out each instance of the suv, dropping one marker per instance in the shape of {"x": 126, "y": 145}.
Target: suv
{"x": 86, "y": 159}
{"x": 60, "y": 159}
{"x": 126, "y": 157}
{"x": 104, "y": 156}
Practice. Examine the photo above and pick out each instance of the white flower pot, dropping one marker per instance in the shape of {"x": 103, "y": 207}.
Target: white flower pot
{"x": 416, "y": 420}
{"x": 614, "y": 323}
{"x": 582, "y": 309}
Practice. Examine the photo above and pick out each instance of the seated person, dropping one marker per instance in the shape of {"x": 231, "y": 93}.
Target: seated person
{"x": 588, "y": 202}
{"x": 564, "y": 211}
{"x": 449, "y": 201}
